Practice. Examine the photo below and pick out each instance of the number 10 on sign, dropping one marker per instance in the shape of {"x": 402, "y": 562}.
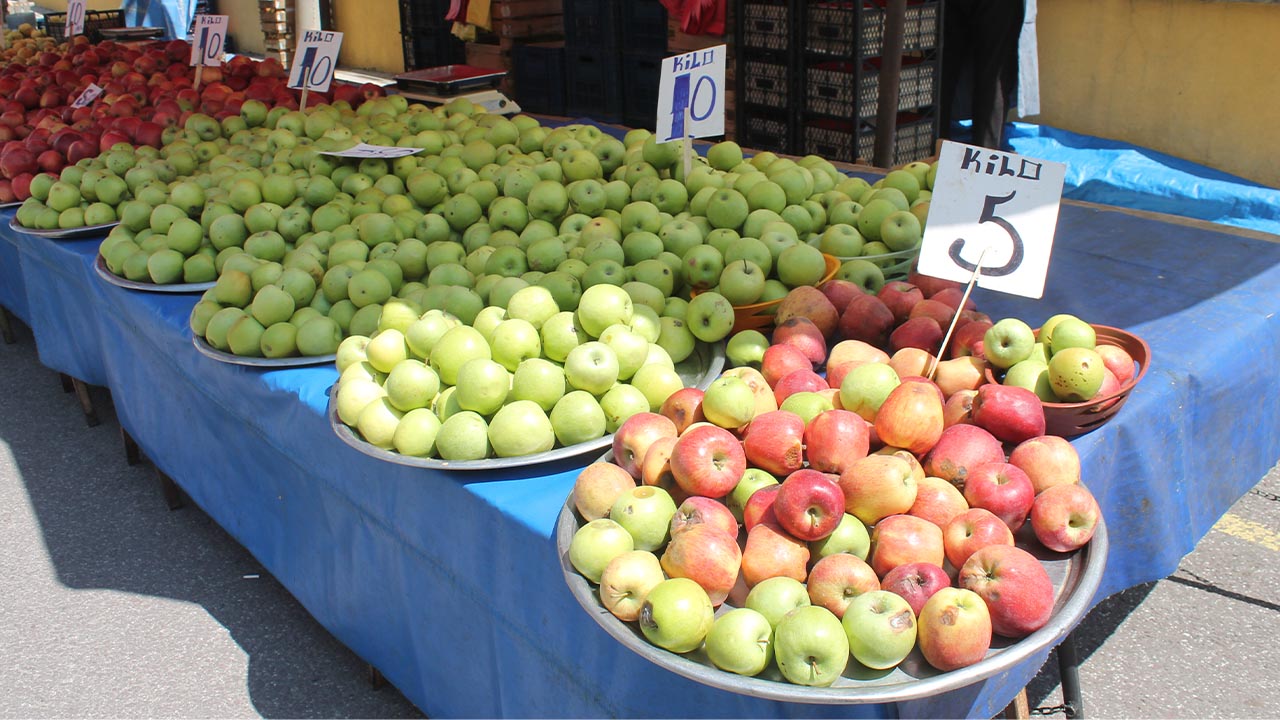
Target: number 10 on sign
{"x": 691, "y": 95}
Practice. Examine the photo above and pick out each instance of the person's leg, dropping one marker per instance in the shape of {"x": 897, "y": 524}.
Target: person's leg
{"x": 997, "y": 24}
{"x": 957, "y": 52}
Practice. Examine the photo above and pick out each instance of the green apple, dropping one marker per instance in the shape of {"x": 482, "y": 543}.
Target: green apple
{"x": 741, "y": 641}
{"x": 1046, "y": 330}
{"x": 808, "y": 405}
{"x": 592, "y": 366}
{"x": 603, "y": 305}
{"x": 411, "y": 385}
{"x": 800, "y": 265}
{"x": 416, "y": 432}
{"x": 464, "y": 435}
{"x": 577, "y": 418}
{"x": 456, "y": 347}
{"x": 742, "y": 282}
{"x": 727, "y": 208}
{"x": 1008, "y": 342}
{"x": 521, "y": 428}
{"x": 810, "y": 646}
{"x": 482, "y": 386}
{"x": 725, "y": 155}
{"x": 901, "y": 231}
{"x": 675, "y": 338}
{"x": 776, "y": 596}
{"x": 377, "y": 423}
{"x": 863, "y": 273}
{"x": 646, "y": 513}
{"x": 703, "y": 265}
{"x": 850, "y": 536}
{"x": 1033, "y": 375}
{"x": 753, "y": 249}
{"x": 1071, "y": 332}
{"x": 906, "y": 181}
{"x": 1075, "y": 373}
{"x": 677, "y": 615}
{"x": 841, "y": 240}
{"x": 513, "y": 341}
{"x": 561, "y": 334}
{"x": 865, "y": 388}
{"x": 656, "y": 381}
{"x": 881, "y": 629}
{"x": 746, "y": 347}
{"x": 540, "y": 381}
{"x": 619, "y": 403}
{"x": 629, "y": 348}
{"x": 729, "y": 402}
{"x": 710, "y": 317}
{"x": 423, "y": 333}
{"x": 595, "y": 545}
{"x": 752, "y": 480}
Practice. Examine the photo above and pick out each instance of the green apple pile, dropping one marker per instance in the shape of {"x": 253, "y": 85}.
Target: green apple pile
{"x": 520, "y": 379}
{"x": 78, "y": 197}
{"x": 1063, "y": 362}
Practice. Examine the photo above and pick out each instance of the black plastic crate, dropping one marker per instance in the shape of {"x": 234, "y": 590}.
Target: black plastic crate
{"x": 763, "y": 130}
{"x": 55, "y": 23}
{"x": 766, "y": 26}
{"x": 849, "y": 141}
{"x": 856, "y": 29}
{"x": 853, "y": 89}
{"x": 766, "y": 82}
{"x": 593, "y": 24}
{"x": 426, "y": 35}
{"x": 593, "y": 83}
{"x": 644, "y": 27}
{"x": 539, "y": 75}
{"x": 641, "y": 75}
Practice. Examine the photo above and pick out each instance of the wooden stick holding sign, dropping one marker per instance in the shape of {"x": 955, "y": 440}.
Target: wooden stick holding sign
{"x": 946, "y": 339}
{"x": 317, "y": 56}
{"x": 688, "y": 145}
{"x": 206, "y": 47}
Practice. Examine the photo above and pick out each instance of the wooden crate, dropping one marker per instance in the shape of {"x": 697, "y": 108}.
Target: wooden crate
{"x": 505, "y": 9}
{"x": 485, "y": 55}
{"x": 544, "y": 26}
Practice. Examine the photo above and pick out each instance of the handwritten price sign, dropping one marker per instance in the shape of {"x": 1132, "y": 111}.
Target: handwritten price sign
{"x": 207, "y": 43}
{"x": 362, "y": 150}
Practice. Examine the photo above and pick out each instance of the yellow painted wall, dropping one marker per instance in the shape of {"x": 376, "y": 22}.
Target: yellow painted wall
{"x": 246, "y": 25}
{"x": 61, "y": 5}
{"x": 1195, "y": 79}
{"x": 370, "y": 34}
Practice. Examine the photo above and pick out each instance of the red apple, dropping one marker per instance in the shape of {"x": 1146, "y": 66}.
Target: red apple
{"x": 772, "y": 552}
{"x": 959, "y": 449}
{"x": 1048, "y": 460}
{"x": 867, "y": 319}
{"x": 1118, "y": 361}
{"x": 707, "y": 556}
{"x": 855, "y": 351}
{"x": 808, "y": 505}
{"x": 1012, "y": 414}
{"x": 911, "y": 417}
{"x": 1003, "y": 489}
{"x": 930, "y": 285}
{"x": 1065, "y": 517}
{"x": 708, "y": 461}
{"x": 937, "y": 501}
{"x": 597, "y": 487}
{"x": 900, "y": 297}
{"x": 684, "y": 408}
{"x": 635, "y": 435}
{"x": 51, "y": 161}
{"x": 774, "y": 442}
{"x": 810, "y": 304}
{"x": 782, "y": 360}
{"x": 877, "y": 486}
{"x": 698, "y": 510}
{"x": 968, "y": 334}
{"x": 958, "y": 409}
{"x": 902, "y": 539}
{"x": 918, "y": 332}
{"x": 915, "y": 583}
{"x": 656, "y": 468}
{"x": 803, "y": 380}
{"x": 802, "y": 334}
{"x": 840, "y": 292}
{"x": 836, "y": 580}
{"x": 759, "y": 507}
{"x": 954, "y": 629}
{"x": 971, "y": 531}
{"x": 1015, "y": 587}
{"x": 834, "y": 439}
{"x": 941, "y": 312}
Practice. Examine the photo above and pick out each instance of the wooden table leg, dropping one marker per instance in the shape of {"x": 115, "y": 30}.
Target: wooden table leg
{"x": 172, "y": 493}
{"x": 86, "y": 403}
{"x": 132, "y": 454}
{"x": 65, "y": 379}
{"x": 1019, "y": 709}
{"x": 6, "y": 327}
{"x": 375, "y": 678}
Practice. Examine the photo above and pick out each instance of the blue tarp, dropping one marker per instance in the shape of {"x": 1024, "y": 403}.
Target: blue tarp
{"x": 175, "y": 16}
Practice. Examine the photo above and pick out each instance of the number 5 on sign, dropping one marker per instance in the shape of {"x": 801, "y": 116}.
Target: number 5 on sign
{"x": 210, "y": 36}
{"x": 691, "y": 95}
{"x": 315, "y": 60}
{"x": 75, "y": 18}
{"x": 994, "y": 206}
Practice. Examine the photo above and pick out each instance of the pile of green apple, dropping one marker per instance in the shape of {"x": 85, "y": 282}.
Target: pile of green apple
{"x": 1062, "y": 362}
{"x": 521, "y": 379}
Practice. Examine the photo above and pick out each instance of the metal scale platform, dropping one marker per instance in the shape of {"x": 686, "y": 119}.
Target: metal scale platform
{"x": 439, "y": 85}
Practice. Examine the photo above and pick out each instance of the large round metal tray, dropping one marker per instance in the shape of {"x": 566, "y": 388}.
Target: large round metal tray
{"x": 100, "y": 267}
{"x": 274, "y": 363}
{"x": 1075, "y": 579}
{"x": 698, "y": 370}
{"x": 63, "y": 234}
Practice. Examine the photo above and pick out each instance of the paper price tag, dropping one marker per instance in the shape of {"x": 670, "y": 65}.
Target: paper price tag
{"x": 361, "y": 150}
{"x": 691, "y": 95}
{"x": 315, "y": 60}
{"x": 208, "y": 40}
{"x": 995, "y": 201}
{"x": 90, "y": 94}
{"x": 75, "y": 18}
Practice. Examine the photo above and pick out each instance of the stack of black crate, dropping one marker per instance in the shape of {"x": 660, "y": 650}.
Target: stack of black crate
{"x": 601, "y": 82}
{"x": 841, "y": 51}
{"x": 427, "y": 37}
{"x": 767, "y": 77}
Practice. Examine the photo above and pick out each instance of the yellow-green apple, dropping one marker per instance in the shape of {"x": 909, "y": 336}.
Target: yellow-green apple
{"x": 919, "y": 332}
{"x": 591, "y": 366}
{"x": 868, "y": 319}
{"x": 675, "y": 338}
{"x": 684, "y": 408}
{"x": 741, "y": 641}
{"x": 698, "y": 510}
{"x": 598, "y": 487}
{"x": 1046, "y": 329}
{"x": 759, "y": 507}
{"x": 772, "y": 552}
{"x": 849, "y": 537}
{"x": 1012, "y": 414}
{"x": 1070, "y": 332}
{"x": 728, "y": 402}
{"x": 854, "y": 351}
{"x": 878, "y": 486}
{"x": 676, "y": 615}
{"x": 1065, "y": 517}
{"x": 804, "y": 335}
{"x": 1076, "y": 374}
{"x": 595, "y": 545}
{"x": 917, "y": 470}
{"x": 1008, "y": 342}
{"x": 865, "y": 387}
{"x": 954, "y": 629}
{"x": 901, "y": 539}
{"x": 708, "y": 461}
{"x": 809, "y": 505}
{"x": 811, "y": 304}
{"x": 803, "y": 380}
{"x": 603, "y": 305}
{"x": 1013, "y": 584}
{"x": 900, "y": 297}
{"x": 746, "y": 348}
{"x": 959, "y": 449}
{"x": 656, "y": 469}
{"x": 911, "y": 361}
{"x": 577, "y": 417}
{"x": 958, "y": 409}
{"x": 646, "y": 513}
{"x": 482, "y": 385}
{"x": 710, "y": 317}
{"x": 1118, "y": 361}
{"x": 911, "y": 416}
{"x": 971, "y": 531}
{"x": 916, "y": 583}
{"x": 752, "y": 480}
{"x": 774, "y": 442}
{"x": 840, "y": 292}
{"x": 782, "y": 360}
{"x": 626, "y": 582}
{"x": 775, "y": 597}
{"x": 835, "y": 439}
{"x": 633, "y": 438}
{"x": 454, "y": 348}
{"x": 656, "y": 382}
{"x": 707, "y": 556}
{"x": 809, "y": 404}
{"x": 881, "y": 628}
{"x": 810, "y": 647}
{"x": 937, "y": 501}
{"x": 836, "y": 580}
{"x": 1048, "y": 460}
{"x": 765, "y": 402}
{"x": 1002, "y": 488}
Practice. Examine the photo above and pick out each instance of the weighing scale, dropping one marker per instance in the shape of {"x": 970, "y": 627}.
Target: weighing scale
{"x": 439, "y": 85}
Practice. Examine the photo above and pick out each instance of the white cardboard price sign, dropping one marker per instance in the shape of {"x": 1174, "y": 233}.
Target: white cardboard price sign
{"x": 75, "y": 19}
{"x": 691, "y": 95}
{"x": 315, "y": 60}
{"x": 209, "y": 38}
{"x": 90, "y": 94}
{"x": 1004, "y": 203}
{"x": 362, "y": 150}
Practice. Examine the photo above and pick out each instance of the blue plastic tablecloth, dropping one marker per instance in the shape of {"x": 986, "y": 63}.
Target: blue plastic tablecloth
{"x": 13, "y": 289}
{"x": 450, "y": 583}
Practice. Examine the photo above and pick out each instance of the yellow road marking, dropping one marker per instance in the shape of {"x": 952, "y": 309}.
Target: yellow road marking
{"x": 1248, "y": 530}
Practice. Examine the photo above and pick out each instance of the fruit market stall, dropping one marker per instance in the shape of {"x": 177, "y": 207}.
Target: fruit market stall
{"x": 450, "y": 583}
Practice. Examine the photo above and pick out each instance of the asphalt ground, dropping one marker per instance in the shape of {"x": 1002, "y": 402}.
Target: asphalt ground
{"x": 111, "y": 605}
